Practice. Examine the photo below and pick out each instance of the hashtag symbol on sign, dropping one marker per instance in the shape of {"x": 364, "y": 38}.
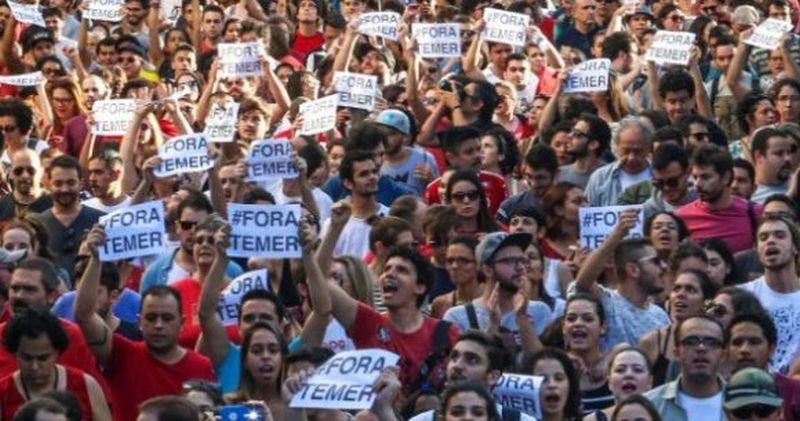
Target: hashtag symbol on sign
{"x": 236, "y": 218}
{"x": 587, "y": 220}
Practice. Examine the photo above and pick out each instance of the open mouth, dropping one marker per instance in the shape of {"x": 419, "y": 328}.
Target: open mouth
{"x": 389, "y": 286}
{"x": 551, "y": 398}
{"x": 628, "y": 387}
{"x": 680, "y": 305}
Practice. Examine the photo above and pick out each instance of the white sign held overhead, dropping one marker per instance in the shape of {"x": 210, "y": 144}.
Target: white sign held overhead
{"x": 106, "y": 10}
{"x": 356, "y": 90}
{"x": 270, "y": 159}
{"x": 221, "y": 122}
{"x": 25, "y": 79}
{"x": 184, "y": 154}
{"x": 520, "y": 392}
{"x": 231, "y": 298}
{"x": 505, "y": 27}
{"x": 768, "y": 34}
{"x": 319, "y": 116}
{"x": 134, "y": 231}
{"x": 240, "y": 59}
{"x": 670, "y": 47}
{"x": 345, "y": 380}
{"x": 598, "y": 222}
{"x": 438, "y": 39}
{"x": 112, "y": 117}
{"x": 170, "y": 10}
{"x": 27, "y": 13}
{"x": 379, "y": 24}
{"x": 269, "y": 232}
{"x": 589, "y": 76}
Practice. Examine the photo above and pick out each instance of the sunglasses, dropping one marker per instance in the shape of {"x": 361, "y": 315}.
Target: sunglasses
{"x": 760, "y": 411}
{"x": 204, "y": 239}
{"x": 695, "y": 341}
{"x": 470, "y": 196}
{"x": 676, "y": 18}
{"x": 19, "y": 170}
{"x": 187, "y": 225}
{"x": 671, "y": 182}
{"x": 8, "y": 129}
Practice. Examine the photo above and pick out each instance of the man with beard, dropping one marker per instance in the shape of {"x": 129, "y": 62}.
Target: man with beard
{"x": 410, "y": 168}
{"x": 670, "y": 181}
{"x": 779, "y": 288}
{"x": 587, "y": 142}
{"x": 698, "y": 391}
{"x": 539, "y": 171}
{"x": 480, "y": 358}
{"x": 213, "y": 21}
{"x": 773, "y": 151}
{"x": 27, "y": 194}
{"x": 134, "y": 23}
{"x": 105, "y": 172}
{"x": 67, "y": 221}
{"x": 505, "y": 266}
{"x": 137, "y": 371}
{"x": 718, "y": 213}
{"x": 640, "y": 271}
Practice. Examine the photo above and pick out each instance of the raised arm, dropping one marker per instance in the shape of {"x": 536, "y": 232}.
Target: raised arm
{"x": 471, "y": 59}
{"x": 734, "y": 75}
{"x": 652, "y": 77}
{"x": 550, "y": 112}
{"x": 98, "y": 335}
{"x": 317, "y": 323}
{"x": 343, "y": 306}
{"x": 278, "y": 91}
{"x": 208, "y": 90}
{"x": 344, "y": 53}
{"x": 83, "y": 40}
{"x": 214, "y": 343}
{"x": 130, "y": 177}
{"x": 197, "y": 24}
{"x": 586, "y": 280}
{"x": 702, "y": 102}
{"x": 792, "y": 66}
{"x": 155, "y": 53}
{"x": 97, "y": 400}
{"x": 8, "y": 56}
{"x": 142, "y": 192}
{"x": 340, "y": 213}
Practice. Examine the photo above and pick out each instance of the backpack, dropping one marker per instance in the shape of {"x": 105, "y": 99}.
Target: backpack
{"x": 440, "y": 351}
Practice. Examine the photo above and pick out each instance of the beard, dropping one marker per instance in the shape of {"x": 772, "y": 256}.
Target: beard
{"x": 509, "y": 285}
{"x": 65, "y": 199}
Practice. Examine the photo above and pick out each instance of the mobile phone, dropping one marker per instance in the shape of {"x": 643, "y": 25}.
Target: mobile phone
{"x": 241, "y": 413}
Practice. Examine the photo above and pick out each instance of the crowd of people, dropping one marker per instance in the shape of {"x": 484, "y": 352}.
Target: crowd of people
{"x": 443, "y": 224}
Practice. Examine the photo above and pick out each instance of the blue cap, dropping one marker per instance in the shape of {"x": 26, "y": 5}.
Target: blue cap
{"x": 395, "y": 119}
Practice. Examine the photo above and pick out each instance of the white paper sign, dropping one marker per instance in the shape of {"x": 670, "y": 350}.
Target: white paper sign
{"x": 269, "y": 232}
{"x": 107, "y": 10}
{"x": 170, "y": 10}
{"x": 345, "y": 381}
{"x": 25, "y": 79}
{"x": 505, "y": 27}
{"x": 184, "y": 154}
{"x": 231, "y": 298}
{"x": 319, "y": 116}
{"x": 520, "y": 392}
{"x": 356, "y": 90}
{"x": 598, "y": 222}
{"x": 134, "y": 231}
{"x": 112, "y": 117}
{"x": 379, "y": 24}
{"x": 589, "y": 76}
{"x": 27, "y": 13}
{"x": 768, "y": 34}
{"x": 240, "y": 59}
{"x": 438, "y": 39}
{"x": 670, "y": 47}
{"x": 270, "y": 159}
{"x": 221, "y": 122}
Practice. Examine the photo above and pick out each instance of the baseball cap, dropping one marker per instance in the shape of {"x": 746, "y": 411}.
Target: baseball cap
{"x": 751, "y": 386}
{"x": 746, "y": 16}
{"x": 396, "y": 120}
{"x": 493, "y": 242}
{"x": 641, "y": 11}
{"x": 33, "y": 35}
{"x": 9, "y": 257}
{"x": 131, "y": 47}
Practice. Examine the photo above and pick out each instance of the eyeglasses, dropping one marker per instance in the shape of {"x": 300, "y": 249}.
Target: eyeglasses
{"x": 460, "y": 261}
{"x": 672, "y": 182}
{"x": 695, "y": 341}
{"x": 578, "y": 134}
{"x": 8, "y": 129}
{"x": 676, "y": 18}
{"x": 716, "y": 310}
{"x": 187, "y": 225}
{"x": 469, "y": 196}
{"x": 656, "y": 260}
{"x": 513, "y": 261}
{"x": 19, "y": 170}
{"x": 760, "y": 410}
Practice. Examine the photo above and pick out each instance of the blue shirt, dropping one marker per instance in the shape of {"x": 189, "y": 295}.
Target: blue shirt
{"x": 126, "y": 307}
{"x": 229, "y": 372}
{"x": 388, "y": 190}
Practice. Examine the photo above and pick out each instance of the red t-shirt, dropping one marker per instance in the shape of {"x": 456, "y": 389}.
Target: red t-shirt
{"x": 303, "y": 45}
{"x": 189, "y": 290}
{"x": 732, "y": 225}
{"x": 493, "y": 185}
{"x": 136, "y": 376}
{"x": 374, "y": 330}
{"x": 11, "y": 400}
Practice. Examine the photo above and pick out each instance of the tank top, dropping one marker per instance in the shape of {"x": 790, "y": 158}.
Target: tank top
{"x": 11, "y": 399}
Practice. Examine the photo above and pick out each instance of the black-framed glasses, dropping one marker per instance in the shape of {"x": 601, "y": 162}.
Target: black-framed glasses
{"x": 672, "y": 182}
{"x": 760, "y": 410}
{"x": 469, "y": 196}
{"x": 707, "y": 341}
{"x": 187, "y": 225}
{"x": 513, "y": 261}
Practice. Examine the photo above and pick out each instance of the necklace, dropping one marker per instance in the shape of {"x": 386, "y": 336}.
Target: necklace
{"x": 25, "y": 386}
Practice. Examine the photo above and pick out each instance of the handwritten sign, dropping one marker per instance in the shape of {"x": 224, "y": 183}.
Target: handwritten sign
{"x": 520, "y": 392}
{"x": 25, "y": 79}
{"x": 768, "y": 34}
{"x": 319, "y": 116}
{"x": 27, "y": 13}
{"x": 589, "y": 76}
{"x": 379, "y": 24}
{"x": 356, "y": 90}
{"x": 112, "y": 117}
{"x": 270, "y": 232}
{"x": 170, "y": 10}
{"x": 345, "y": 381}
{"x": 134, "y": 231}
{"x": 270, "y": 159}
{"x": 184, "y": 154}
{"x": 107, "y": 10}
{"x": 231, "y": 298}
{"x": 598, "y": 222}
{"x": 438, "y": 39}
{"x": 505, "y": 27}
{"x": 221, "y": 122}
{"x": 240, "y": 59}
{"x": 670, "y": 47}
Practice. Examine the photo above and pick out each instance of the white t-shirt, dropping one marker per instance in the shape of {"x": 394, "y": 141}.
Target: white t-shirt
{"x": 785, "y": 312}
{"x": 428, "y": 415}
{"x": 95, "y": 203}
{"x": 701, "y": 409}
{"x": 323, "y": 201}
{"x": 354, "y": 239}
{"x": 336, "y": 338}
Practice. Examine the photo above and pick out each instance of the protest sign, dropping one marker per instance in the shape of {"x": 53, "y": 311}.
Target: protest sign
{"x": 240, "y": 59}
{"x": 269, "y": 232}
{"x": 505, "y": 27}
{"x": 107, "y": 10}
{"x": 27, "y": 13}
{"x": 589, "y": 76}
{"x": 598, "y": 222}
{"x": 319, "y": 116}
{"x": 112, "y": 117}
{"x": 520, "y": 392}
{"x": 356, "y": 90}
{"x": 184, "y": 154}
{"x": 231, "y": 297}
{"x": 671, "y": 47}
{"x": 270, "y": 159}
{"x": 436, "y": 40}
{"x": 134, "y": 231}
{"x": 170, "y": 10}
{"x": 379, "y": 24}
{"x": 345, "y": 380}
{"x": 768, "y": 34}
{"x": 221, "y": 122}
{"x": 25, "y": 79}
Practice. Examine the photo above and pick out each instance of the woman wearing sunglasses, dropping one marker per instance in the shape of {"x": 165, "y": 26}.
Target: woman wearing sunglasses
{"x": 465, "y": 193}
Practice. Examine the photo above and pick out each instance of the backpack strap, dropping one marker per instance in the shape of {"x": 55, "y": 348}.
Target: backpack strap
{"x": 472, "y": 315}
{"x": 441, "y": 347}
{"x": 714, "y": 89}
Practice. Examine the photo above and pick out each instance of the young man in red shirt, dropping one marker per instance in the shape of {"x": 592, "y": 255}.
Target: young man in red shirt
{"x": 308, "y": 37}
{"x": 137, "y": 371}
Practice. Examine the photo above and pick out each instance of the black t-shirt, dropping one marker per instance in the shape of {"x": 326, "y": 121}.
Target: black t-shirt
{"x": 10, "y": 208}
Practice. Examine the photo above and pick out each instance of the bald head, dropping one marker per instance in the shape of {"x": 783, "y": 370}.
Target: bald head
{"x": 26, "y": 172}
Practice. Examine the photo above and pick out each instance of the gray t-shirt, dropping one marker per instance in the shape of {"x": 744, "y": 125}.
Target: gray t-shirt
{"x": 403, "y": 172}
{"x": 573, "y": 175}
{"x": 626, "y": 322}
{"x": 538, "y": 312}
{"x": 764, "y": 191}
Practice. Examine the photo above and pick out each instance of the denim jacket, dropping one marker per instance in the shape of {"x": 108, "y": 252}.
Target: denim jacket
{"x": 605, "y": 185}
{"x": 157, "y": 272}
{"x": 665, "y": 399}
